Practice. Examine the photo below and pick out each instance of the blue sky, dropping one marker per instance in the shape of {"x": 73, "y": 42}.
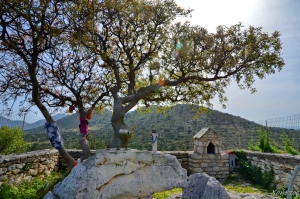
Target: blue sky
{"x": 278, "y": 95}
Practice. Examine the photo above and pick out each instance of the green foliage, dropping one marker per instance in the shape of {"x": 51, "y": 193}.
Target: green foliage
{"x": 27, "y": 166}
{"x": 253, "y": 147}
{"x": 267, "y": 178}
{"x": 253, "y": 173}
{"x": 287, "y": 144}
{"x": 95, "y": 143}
{"x": 11, "y": 141}
{"x": 264, "y": 144}
{"x": 35, "y": 189}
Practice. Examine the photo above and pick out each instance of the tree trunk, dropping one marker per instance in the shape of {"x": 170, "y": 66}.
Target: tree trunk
{"x": 66, "y": 157}
{"x": 117, "y": 122}
{"x": 83, "y": 137}
{"x": 35, "y": 98}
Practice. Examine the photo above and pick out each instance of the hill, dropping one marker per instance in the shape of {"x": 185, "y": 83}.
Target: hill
{"x": 18, "y": 123}
{"x": 11, "y": 123}
{"x": 177, "y": 129}
{"x": 40, "y": 123}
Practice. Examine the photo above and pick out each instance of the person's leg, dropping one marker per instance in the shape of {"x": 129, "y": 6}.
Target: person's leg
{"x": 84, "y": 146}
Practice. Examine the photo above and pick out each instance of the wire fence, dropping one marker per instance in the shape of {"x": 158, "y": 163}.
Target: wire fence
{"x": 289, "y": 122}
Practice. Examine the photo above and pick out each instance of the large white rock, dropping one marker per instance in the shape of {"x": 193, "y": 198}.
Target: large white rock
{"x": 120, "y": 174}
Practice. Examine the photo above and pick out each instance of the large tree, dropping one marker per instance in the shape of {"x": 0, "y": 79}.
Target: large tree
{"x": 155, "y": 60}
{"x": 45, "y": 63}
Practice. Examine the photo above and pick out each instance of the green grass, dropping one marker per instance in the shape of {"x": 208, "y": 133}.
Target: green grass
{"x": 165, "y": 194}
{"x": 35, "y": 189}
{"x": 235, "y": 182}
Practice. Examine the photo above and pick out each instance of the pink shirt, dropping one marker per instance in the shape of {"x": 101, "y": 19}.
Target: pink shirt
{"x": 83, "y": 127}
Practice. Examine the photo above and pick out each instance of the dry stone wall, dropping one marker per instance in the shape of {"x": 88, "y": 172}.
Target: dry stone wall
{"x": 14, "y": 168}
{"x": 215, "y": 165}
{"x": 283, "y": 166}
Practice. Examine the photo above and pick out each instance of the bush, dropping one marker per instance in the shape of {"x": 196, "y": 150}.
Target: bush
{"x": 267, "y": 178}
{"x": 287, "y": 144}
{"x": 37, "y": 188}
{"x": 253, "y": 173}
{"x": 12, "y": 141}
{"x": 264, "y": 144}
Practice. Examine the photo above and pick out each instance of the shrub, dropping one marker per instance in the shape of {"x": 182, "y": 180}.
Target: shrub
{"x": 253, "y": 173}
{"x": 11, "y": 141}
{"x": 264, "y": 144}
{"x": 267, "y": 178}
{"x": 35, "y": 189}
{"x": 287, "y": 144}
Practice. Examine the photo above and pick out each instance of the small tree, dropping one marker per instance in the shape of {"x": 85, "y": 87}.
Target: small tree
{"x": 12, "y": 141}
{"x": 264, "y": 144}
{"x": 287, "y": 144}
{"x": 28, "y": 30}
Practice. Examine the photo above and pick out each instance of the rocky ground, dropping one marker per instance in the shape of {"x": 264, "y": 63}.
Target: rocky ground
{"x": 234, "y": 195}
{"x": 238, "y": 181}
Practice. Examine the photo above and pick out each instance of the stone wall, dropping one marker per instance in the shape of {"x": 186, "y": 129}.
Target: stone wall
{"x": 216, "y": 165}
{"x": 283, "y": 166}
{"x": 182, "y": 157}
{"x": 14, "y": 168}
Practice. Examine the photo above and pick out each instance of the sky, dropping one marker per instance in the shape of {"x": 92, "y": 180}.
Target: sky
{"x": 278, "y": 95}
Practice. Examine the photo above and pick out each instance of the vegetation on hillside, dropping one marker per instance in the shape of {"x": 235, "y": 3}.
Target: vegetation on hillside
{"x": 177, "y": 129}
{"x": 266, "y": 144}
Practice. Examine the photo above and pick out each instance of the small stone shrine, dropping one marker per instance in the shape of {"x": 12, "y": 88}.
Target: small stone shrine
{"x": 207, "y": 141}
{"x": 207, "y": 157}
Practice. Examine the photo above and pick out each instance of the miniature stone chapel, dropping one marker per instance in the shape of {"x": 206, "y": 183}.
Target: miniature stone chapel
{"x": 207, "y": 156}
{"x": 207, "y": 141}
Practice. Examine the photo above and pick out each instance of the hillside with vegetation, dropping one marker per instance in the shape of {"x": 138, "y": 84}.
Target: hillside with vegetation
{"x": 176, "y": 127}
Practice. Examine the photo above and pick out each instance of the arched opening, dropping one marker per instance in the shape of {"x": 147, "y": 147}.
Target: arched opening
{"x": 210, "y": 148}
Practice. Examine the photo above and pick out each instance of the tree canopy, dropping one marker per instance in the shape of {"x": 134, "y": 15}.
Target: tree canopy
{"x": 137, "y": 53}
{"x": 156, "y": 60}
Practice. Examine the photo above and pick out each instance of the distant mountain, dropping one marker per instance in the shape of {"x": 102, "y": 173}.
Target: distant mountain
{"x": 70, "y": 123}
{"x": 177, "y": 128}
{"x": 11, "y": 123}
{"x": 40, "y": 123}
{"x": 18, "y": 123}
